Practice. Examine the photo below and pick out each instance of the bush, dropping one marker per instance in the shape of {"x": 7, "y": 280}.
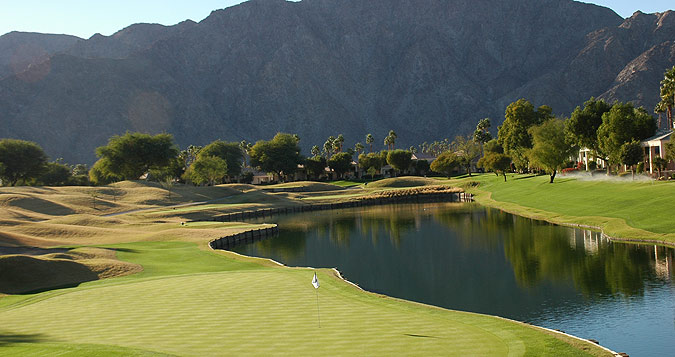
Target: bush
{"x": 625, "y": 173}
{"x": 640, "y": 167}
{"x": 568, "y": 170}
{"x": 592, "y": 165}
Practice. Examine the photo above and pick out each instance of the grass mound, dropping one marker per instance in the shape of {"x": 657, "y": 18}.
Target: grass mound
{"x": 87, "y": 220}
{"x": 405, "y": 181}
{"x": 22, "y": 273}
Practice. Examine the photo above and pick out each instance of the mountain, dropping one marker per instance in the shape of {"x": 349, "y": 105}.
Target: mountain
{"x": 19, "y": 50}
{"x": 428, "y": 69}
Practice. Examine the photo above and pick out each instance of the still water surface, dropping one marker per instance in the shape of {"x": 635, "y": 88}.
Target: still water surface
{"x": 472, "y": 258}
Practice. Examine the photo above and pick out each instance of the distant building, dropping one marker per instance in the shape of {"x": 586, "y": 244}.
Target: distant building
{"x": 655, "y": 147}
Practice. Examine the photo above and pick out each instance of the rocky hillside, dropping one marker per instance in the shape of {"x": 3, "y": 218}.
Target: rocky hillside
{"x": 428, "y": 69}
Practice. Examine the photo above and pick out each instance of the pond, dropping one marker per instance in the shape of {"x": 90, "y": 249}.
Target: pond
{"x": 471, "y": 258}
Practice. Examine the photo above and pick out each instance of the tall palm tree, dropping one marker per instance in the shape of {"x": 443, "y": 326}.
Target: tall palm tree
{"x": 328, "y": 146}
{"x": 340, "y": 140}
{"x": 660, "y": 109}
{"x": 393, "y": 136}
{"x": 387, "y": 141}
{"x": 358, "y": 147}
{"x": 668, "y": 93}
{"x": 369, "y": 140}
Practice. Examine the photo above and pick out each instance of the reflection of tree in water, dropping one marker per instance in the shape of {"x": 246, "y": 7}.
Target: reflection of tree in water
{"x": 289, "y": 245}
{"x": 539, "y": 251}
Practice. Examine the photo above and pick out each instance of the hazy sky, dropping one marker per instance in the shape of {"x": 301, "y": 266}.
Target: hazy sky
{"x": 84, "y": 18}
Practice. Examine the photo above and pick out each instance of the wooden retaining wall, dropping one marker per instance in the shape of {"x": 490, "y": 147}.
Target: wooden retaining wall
{"x": 418, "y": 198}
{"x": 244, "y": 237}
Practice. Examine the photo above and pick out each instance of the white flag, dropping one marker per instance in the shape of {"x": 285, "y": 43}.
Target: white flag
{"x": 315, "y": 282}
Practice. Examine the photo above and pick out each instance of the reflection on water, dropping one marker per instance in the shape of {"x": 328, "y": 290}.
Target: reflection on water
{"x": 471, "y": 258}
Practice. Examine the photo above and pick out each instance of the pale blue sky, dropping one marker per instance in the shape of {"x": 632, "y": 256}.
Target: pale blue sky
{"x": 84, "y": 18}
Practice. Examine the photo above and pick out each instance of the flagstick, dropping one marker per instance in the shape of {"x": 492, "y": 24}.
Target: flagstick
{"x": 318, "y": 314}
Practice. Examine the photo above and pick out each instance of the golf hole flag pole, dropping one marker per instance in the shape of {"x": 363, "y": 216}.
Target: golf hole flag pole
{"x": 315, "y": 283}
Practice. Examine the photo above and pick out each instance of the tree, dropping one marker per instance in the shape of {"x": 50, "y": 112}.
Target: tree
{"x": 340, "y": 163}
{"x": 315, "y": 150}
{"x": 281, "y": 155}
{"x": 622, "y": 124}
{"x": 102, "y": 174}
{"x": 513, "y": 134}
{"x": 189, "y": 155}
{"x": 660, "y": 164}
{"x": 230, "y": 152}
{"x": 328, "y": 146}
{"x": 495, "y": 162}
{"x": 467, "y": 150}
{"x": 207, "y": 169}
{"x": 445, "y": 163}
{"x": 421, "y": 167}
{"x": 390, "y": 140}
{"x": 20, "y": 160}
{"x": 369, "y": 140}
{"x": 550, "y": 148}
{"x": 371, "y": 161}
{"x": 245, "y": 146}
{"x": 340, "y": 140}
{"x": 482, "y": 134}
{"x": 493, "y": 146}
{"x": 315, "y": 166}
{"x": 399, "y": 159}
{"x": 668, "y": 94}
{"x": 55, "y": 174}
{"x": 631, "y": 154}
{"x": 131, "y": 155}
{"x": 582, "y": 126}
{"x": 358, "y": 147}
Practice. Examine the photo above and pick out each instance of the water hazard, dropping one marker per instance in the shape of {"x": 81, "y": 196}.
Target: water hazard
{"x": 472, "y": 258}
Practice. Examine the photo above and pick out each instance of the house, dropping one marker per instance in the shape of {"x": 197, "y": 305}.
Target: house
{"x": 586, "y": 156}
{"x": 259, "y": 177}
{"x": 655, "y": 147}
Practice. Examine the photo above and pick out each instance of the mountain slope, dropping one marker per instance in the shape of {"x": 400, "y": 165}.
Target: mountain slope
{"x": 428, "y": 69}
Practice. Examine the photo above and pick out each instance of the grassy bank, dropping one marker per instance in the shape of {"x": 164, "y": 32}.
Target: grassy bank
{"x": 189, "y": 300}
{"x": 629, "y": 210}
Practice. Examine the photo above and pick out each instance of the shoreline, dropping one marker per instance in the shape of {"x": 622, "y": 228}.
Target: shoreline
{"x": 527, "y": 212}
{"x": 337, "y": 273}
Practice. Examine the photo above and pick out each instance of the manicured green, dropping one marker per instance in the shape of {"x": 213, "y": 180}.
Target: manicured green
{"x": 190, "y": 301}
{"x": 345, "y": 183}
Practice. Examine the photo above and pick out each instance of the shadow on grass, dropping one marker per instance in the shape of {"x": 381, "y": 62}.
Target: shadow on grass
{"x": 524, "y": 177}
{"x": 421, "y": 336}
{"x": 125, "y": 250}
{"x": 7, "y": 339}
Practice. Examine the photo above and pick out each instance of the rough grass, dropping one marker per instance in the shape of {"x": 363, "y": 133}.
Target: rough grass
{"x": 629, "y": 210}
{"x": 21, "y": 273}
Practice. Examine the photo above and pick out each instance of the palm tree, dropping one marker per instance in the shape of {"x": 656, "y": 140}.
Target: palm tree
{"x": 393, "y": 136}
{"x": 660, "y": 109}
{"x": 339, "y": 141}
{"x": 387, "y": 141}
{"x": 316, "y": 151}
{"x": 668, "y": 93}
{"x": 358, "y": 147}
{"x": 328, "y": 146}
{"x": 369, "y": 140}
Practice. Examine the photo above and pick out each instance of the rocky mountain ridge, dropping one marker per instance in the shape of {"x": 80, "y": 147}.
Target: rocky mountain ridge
{"x": 428, "y": 69}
